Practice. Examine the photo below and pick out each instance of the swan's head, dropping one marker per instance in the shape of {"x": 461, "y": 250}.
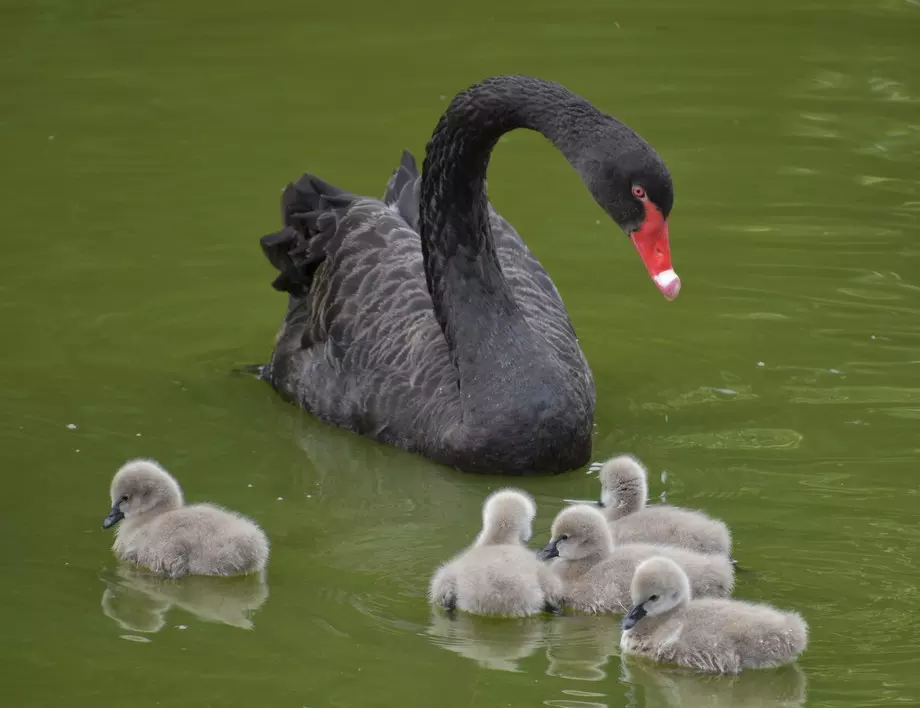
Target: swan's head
{"x": 579, "y": 531}
{"x": 507, "y": 517}
{"x": 624, "y": 485}
{"x": 658, "y": 586}
{"x": 141, "y": 486}
{"x": 630, "y": 181}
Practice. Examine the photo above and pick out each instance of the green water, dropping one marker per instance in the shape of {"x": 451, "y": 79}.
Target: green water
{"x": 144, "y": 147}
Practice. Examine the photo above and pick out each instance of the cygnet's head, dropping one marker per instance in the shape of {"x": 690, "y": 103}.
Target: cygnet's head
{"x": 141, "y": 486}
{"x": 624, "y": 484}
{"x": 658, "y": 586}
{"x": 507, "y": 517}
{"x": 579, "y": 532}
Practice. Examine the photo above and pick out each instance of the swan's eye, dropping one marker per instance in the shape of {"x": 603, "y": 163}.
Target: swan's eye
{"x": 638, "y": 192}
{"x": 653, "y": 598}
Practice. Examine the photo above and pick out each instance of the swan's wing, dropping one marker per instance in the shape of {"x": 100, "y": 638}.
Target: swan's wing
{"x": 537, "y": 296}
{"x": 360, "y": 346}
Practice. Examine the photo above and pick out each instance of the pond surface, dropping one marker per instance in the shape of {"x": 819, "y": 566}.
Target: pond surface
{"x": 144, "y": 147}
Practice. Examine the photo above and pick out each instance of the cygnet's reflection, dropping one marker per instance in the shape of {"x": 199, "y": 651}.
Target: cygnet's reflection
{"x": 580, "y": 646}
{"x": 139, "y": 601}
{"x": 498, "y": 644}
{"x": 665, "y": 686}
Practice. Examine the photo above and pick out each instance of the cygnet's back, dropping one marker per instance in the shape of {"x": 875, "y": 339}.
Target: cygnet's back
{"x": 596, "y": 574}
{"x": 498, "y": 575}
{"x": 624, "y": 490}
{"x": 158, "y": 532}
{"x": 717, "y": 636}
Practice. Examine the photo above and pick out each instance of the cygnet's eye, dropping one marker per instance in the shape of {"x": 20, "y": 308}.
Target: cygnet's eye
{"x": 564, "y": 537}
{"x": 124, "y": 498}
{"x": 653, "y": 598}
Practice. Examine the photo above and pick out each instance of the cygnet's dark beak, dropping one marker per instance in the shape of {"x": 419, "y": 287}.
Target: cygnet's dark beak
{"x": 549, "y": 552}
{"x": 635, "y": 614}
{"x": 115, "y": 515}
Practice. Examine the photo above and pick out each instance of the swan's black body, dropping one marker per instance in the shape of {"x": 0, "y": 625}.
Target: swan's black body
{"x": 422, "y": 320}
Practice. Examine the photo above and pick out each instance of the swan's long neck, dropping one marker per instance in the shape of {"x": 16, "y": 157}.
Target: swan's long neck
{"x": 472, "y": 299}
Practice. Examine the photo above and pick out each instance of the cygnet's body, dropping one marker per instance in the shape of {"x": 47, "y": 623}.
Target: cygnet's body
{"x": 158, "y": 532}
{"x": 596, "y": 575}
{"x": 624, "y": 490}
{"x": 498, "y": 575}
{"x": 716, "y": 636}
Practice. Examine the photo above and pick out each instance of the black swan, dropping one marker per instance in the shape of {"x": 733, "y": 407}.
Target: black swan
{"x": 423, "y": 321}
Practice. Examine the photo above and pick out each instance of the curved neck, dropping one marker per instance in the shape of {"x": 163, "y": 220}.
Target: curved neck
{"x": 627, "y": 496}
{"x": 461, "y": 263}
{"x": 499, "y": 534}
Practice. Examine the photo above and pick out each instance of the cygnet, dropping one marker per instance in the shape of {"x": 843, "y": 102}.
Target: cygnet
{"x": 159, "y": 532}
{"x": 596, "y": 575}
{"x": 624, "y": 489}
{"x": 498, "y": 575}
{"x": 716, "y": 636}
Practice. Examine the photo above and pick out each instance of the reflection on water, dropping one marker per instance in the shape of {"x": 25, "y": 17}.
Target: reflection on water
{"x": 580, "y": 646}
{"x": 655, "y": 686}
{"x": 580, "y": 649}
{"x": 139, "y": 601}
{"x": 498, "y": 644}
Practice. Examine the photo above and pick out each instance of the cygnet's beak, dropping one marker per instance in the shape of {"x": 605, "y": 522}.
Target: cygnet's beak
{"x": 635, "y": 614}
{"x": 115, "y": 515}
{"x": 549, "y": 552}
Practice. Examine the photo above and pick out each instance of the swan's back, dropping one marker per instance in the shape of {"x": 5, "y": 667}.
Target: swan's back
{"x": 504, "y": 580}
{"x": 605, "y": 586}
{"x": 201, "y": 539}
{"x": 361, "y": 348}
{"x": 727, "y": 636}
{"x": 675, "y": 526}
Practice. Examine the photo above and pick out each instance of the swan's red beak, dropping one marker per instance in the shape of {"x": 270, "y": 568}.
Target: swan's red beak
{"x": 651, "y": 240}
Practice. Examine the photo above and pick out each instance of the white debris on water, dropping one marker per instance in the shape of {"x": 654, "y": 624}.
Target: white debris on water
{"x": 280, "y": 498}
{"x": 760, "y": 363}
{"x": 71, "y": 426}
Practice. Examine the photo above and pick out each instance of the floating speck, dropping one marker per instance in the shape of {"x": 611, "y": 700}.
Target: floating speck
{"x": 309, "y": 496}
{"x": 135, "y": 638}
{"x": 665, "y": 417}
{"x": 872, "y": 337}
{"x": 834, "y": 371}
{"x": 664, "y": 476}
{"x": 598, "y": 222}
{"x": 280, "y": 498}
{"x": 760, "y": 363}
{"x": 50, "y": 137}
{"x": 181, "y": 626}
{"x": 71, "y": 426}
{"x": 249, "y": 485}
{"x": 77, "y": 450}
{"x": 137, "y": 435}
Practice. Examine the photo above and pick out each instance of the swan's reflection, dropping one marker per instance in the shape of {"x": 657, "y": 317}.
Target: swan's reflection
{"x": 498, "y": 644}
{"x": 139, "y": 601}
{"x": 664, "y": 687}
{"x": 580, "y": 646}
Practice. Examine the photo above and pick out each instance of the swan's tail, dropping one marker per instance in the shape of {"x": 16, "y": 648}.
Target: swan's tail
{"x": 402, "y": 191}
{"x": 311, "y": 210}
